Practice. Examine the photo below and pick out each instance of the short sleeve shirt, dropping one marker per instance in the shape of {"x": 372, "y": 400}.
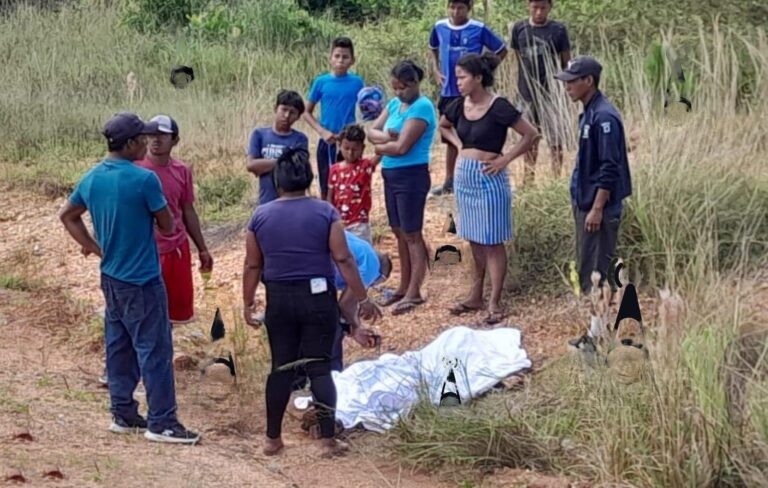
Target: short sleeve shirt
{"x": 452, "y": 42}
{"x": 366, "y": 259}
{"x": 488, "y": 133}
{"x": 421, "y": 109}
{"x": 351, "y": 183}
{"x": 122, "y": 198}
{"x": 179, "y": 191}
{"x": 267, "y": 144}
{"x": 337, "y": 96}
{"x": 293, "y": 235}
{"x": 539, "y": 48}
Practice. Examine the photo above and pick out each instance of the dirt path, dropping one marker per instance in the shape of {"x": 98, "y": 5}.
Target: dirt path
{"x": 51, "y": 354}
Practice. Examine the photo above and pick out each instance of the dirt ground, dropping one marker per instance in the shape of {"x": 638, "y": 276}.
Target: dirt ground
{"x": 54, "y": 414}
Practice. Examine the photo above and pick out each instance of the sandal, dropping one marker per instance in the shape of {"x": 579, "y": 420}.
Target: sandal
{"x": 495, "y": 318}
{"x": 406, "y": 306}
{"x": 394, "y": 298}
{"x": 462, "y": 309}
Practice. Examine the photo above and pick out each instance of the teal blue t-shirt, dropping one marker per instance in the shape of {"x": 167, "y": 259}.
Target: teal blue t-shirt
{"x": 121, "y": 198}
{"x": 422, "y": 109}
{"x": 337, "y": 96}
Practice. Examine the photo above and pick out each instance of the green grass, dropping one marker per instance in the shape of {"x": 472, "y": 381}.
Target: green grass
{"x": 18, "y": 283}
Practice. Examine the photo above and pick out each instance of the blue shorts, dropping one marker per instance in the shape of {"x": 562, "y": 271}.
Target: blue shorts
{"x": 405, "y": 194}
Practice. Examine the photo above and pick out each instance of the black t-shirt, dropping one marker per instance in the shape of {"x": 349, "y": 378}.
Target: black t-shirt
{"x": 489, "y": 132}
{"x": 538, "y": 47}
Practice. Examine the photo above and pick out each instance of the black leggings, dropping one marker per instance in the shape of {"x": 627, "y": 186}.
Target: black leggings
{"x": 301, "y": 325}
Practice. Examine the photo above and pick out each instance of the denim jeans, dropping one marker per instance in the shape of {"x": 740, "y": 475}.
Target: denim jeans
{"x": 137, "y": 332}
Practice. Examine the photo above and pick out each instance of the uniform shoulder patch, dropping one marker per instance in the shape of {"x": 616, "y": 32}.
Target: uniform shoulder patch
{"x": 606, "y": 127}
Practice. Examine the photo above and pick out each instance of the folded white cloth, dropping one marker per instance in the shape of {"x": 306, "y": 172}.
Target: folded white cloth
{"x": 376, "y": 393}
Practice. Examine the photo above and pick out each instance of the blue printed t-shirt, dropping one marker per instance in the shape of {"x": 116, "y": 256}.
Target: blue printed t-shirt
{"x": 293, "y": 235}
{"x": 454, "y": 41}
{"x": 268, "y": 144}
{"x": 122, "y": 198}
{"x": 366, "y": 259}
{"x": 337, "y": 96}
{"x": 422, "y": 109}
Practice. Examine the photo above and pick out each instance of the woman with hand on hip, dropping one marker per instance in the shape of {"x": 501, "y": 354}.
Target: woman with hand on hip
{"x": 403, "y": 135}
{"x": 477, "y": 123}
{"x": 292, "y": 243}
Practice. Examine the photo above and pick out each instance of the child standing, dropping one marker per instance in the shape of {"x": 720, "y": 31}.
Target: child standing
{"x": 267, "y": 144}
{"x": 178, "y": 188}
{"x": 451, "y": 39}
{"x": 543, "y": 48}
{"x": 349, "y": 183}
{"x": 336, "y": 92}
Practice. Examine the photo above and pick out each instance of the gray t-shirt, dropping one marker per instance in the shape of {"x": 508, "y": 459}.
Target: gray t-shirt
{"x": 538, "y": 46}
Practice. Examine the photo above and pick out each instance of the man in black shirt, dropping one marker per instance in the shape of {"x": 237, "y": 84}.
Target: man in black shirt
{"x": 601, "y": 179}
{"x": 543, "y": 48}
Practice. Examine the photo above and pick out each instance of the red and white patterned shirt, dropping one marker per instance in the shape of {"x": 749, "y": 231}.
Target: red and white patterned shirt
{"x": 351, "y": 183}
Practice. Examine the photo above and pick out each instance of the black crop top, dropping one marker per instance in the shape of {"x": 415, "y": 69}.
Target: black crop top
{"x": 489, "y": 132}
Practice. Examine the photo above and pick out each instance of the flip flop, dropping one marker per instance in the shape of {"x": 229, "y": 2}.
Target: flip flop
{"x": 495, "y": 318}
{"x": 391, "y": 300}
{"x": 462, "y": 309}
{"x": 404, "y": 307}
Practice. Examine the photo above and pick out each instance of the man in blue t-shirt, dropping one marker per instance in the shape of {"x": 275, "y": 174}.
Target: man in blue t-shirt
{"x": 601, "y": 179}
{"x": 336, "y": 92}
{"x": 124, "y": 201}
{"x": 452, "y": 38}
{"x": 268, "y": 143}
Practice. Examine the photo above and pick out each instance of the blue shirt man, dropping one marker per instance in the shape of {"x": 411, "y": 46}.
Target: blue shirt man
{"x": 601, "y": 178}
{"x": 125, "y": 201}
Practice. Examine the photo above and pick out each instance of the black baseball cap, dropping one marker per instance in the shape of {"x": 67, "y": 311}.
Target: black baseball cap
{"x": 579, "y": 67}
{"x": 126, "y": 125}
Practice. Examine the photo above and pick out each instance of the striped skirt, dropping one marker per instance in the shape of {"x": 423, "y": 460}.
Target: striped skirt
{"x": 484, "y": 204}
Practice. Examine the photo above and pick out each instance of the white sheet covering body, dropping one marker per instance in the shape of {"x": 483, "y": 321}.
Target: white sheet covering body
{"x": 376, "y": 393}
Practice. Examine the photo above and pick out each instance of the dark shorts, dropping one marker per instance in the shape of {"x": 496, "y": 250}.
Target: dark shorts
{"x": 441, "y": 104}
{"x": 405, "y": 194}
{"x": 327, "y": 155}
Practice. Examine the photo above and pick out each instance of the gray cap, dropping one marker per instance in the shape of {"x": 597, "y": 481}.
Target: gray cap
{"x": 579, "y": 67}
{"x": 126, "y": 125}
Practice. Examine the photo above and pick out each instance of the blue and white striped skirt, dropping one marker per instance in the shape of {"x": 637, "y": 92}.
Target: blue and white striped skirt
{"x": 484, "y": 204}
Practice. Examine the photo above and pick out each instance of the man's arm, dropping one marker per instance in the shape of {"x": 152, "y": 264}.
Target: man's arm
{"x": 502, "y": 54}
{"x": 347, "y": 266}
{"x": 192, "y": 223}
{"x": 436, "y": 71}
{"x": 164, "y": 219}
{"x": 71, "y": 216}
{"x": 608, "y": 136}
{"x": 309, "y": 117}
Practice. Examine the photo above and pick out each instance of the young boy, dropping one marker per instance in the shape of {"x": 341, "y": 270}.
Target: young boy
{"x": 451, "y": 39}
{"x": 543, "y": 48}
{"x": 336, "y": 92}
{"x": 349, "y": 184}
{"x": 601, "y": 178}
{"x": 125, "y": 202}
{"x": 268, "y": 143}
{"x": 175, "y": 258}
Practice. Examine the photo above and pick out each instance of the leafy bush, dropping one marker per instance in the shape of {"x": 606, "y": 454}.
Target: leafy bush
{"x": 363, "y": 10}
{"x": 153, "y": 15}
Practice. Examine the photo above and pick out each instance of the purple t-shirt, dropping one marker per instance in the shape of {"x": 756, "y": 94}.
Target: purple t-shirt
{"x": 293, "y": 236}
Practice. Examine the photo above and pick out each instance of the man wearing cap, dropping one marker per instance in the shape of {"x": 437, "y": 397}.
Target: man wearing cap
{"x": 175, "y": 257}
{"x": 601, "y": 178}
{"x": 125, "y": 201}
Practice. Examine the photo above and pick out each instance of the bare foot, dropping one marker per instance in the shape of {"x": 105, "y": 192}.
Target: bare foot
{"x": 273, "y": 447}
{"x": 330, "y": 448}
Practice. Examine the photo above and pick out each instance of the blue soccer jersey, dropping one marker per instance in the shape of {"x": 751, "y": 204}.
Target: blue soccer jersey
{"x": 453, "y": 42}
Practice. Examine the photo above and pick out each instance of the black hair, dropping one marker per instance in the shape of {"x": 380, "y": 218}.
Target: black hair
{"x": 548, "y": 1}
{"x": 292, "y": 171}
{"x": 344, "y": 43}
{"x": 596, "y": 79}
{"x": 290, "y": 98}
{"x": 480, "y": 65}
{"x": 352, "y": 133}
{"x": 408, "y": 72}
{"x": 468, "y": 3}
{"x": 116, "y": 146}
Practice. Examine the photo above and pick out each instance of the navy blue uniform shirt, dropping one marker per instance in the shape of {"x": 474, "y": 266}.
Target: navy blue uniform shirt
{"x": 602, "y": 158}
